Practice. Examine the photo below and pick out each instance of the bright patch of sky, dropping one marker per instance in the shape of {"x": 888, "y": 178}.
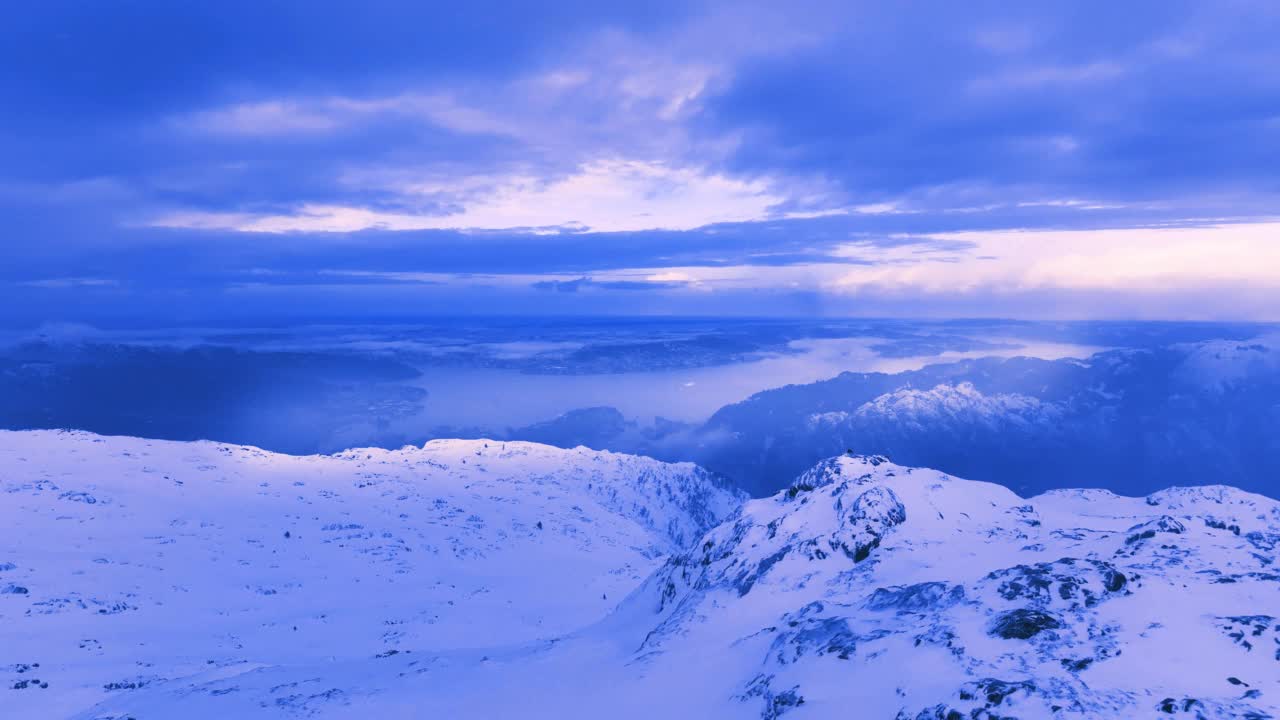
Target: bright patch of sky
{"x": 605, "y": 196}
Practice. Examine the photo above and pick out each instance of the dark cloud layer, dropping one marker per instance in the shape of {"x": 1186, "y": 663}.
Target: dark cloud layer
{"x": 1102, "y": 100}
{"x": 885, "y": 125}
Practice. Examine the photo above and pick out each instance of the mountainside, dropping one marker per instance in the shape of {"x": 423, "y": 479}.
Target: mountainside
{"x": 131, "y": 564}
{"x": 471, "y": 580}
{"x": 1132, "y": 421}
{"x": 869, "y": 590}
{"x": 909, "y": 594}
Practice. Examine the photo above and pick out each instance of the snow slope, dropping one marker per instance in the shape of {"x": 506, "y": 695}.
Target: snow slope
{"x": 909, "y": 594}
{"x": 864, "y": 590}
{"x": 127, "y": 564}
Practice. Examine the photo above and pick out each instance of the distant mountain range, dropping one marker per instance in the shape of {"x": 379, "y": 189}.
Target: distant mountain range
{"x": 1131, "y": 421}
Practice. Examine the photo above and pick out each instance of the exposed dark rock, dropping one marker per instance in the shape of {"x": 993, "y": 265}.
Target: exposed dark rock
{"x": 124, "y": 685}
{"x": 814, "y": 636}
{"x": 872, "y": 515}
{"x": 1077, "y": 665}
{"x": 1253, "y": 631}
{"x": 776, "y": 704}
{"x": 1151, "y": 528}
{"x": 1222, "y": 525}
{"x": 1069, "y": 582}
{"x": 977, "y": 700}
{"x": 1023, "y": 624}
{"x": 81, "y": 497}
{"x": 920, "y": 597}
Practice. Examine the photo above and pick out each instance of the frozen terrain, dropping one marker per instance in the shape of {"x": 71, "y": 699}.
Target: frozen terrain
{"x": 129, "y": 564}
{"x": 476, "y": 580}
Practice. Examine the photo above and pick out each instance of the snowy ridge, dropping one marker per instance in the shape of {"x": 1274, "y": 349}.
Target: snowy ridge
{"x": 958, "y": 403}
{"x": 910, "y": 594}
{"x": 864, "y": 589}
{"x": 1219, "y": 364}
{"x": 130, "y": 563}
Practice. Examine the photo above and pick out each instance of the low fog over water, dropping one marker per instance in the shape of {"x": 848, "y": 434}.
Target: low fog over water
{"x": 1107, "y": 404}
{"x": 385, "y": 384}
{"x": 483, "y": 397}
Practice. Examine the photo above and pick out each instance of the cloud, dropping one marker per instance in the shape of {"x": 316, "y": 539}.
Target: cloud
{"x": 1033, "y": 159}
{"x": 272, "y": 117}
{"x": 1132, "y": 261}
{"x": 1140, "y": 103}
{"x": 1048, "y": 77}
{"x": 69, "y": 282}
{"x": 1005, "y": 38}
{"x": 604, "y": 196}
{"x": 282, "y": 117}
{"x": 586, "y": 283}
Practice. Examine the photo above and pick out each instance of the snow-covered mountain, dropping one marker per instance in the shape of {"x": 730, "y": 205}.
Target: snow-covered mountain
{"x": 909, "y": 594}
{"x": 863, "y": 590}
{"x": 1131, "y": 421}
{"x": 127, "y": 564}
{"x": 962, "y": 404}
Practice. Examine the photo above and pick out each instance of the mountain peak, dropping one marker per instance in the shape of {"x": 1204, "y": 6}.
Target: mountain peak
{"x": 1018, "y": 607}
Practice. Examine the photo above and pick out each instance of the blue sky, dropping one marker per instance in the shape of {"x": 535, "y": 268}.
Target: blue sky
{"x": 269, "y": 161}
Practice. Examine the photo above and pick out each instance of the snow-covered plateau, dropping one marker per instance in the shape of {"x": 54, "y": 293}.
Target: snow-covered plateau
{"x": 471, "y": 579}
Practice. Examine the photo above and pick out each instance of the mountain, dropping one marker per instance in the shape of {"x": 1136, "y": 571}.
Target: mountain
{"x": 1171, "y": 408}
{"x": 1130, "y": 421}
{"x": 910, "y": 594}
{"x": 468, "y": 579}
{"x": 132, "y": 564}
{"x": 871, "y": 590}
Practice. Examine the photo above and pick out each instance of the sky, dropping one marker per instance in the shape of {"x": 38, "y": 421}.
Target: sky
{"x": 265, "y": 161}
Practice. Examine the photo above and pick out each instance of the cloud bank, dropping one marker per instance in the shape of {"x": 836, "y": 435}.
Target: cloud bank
{"x": 243, "y": 161}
